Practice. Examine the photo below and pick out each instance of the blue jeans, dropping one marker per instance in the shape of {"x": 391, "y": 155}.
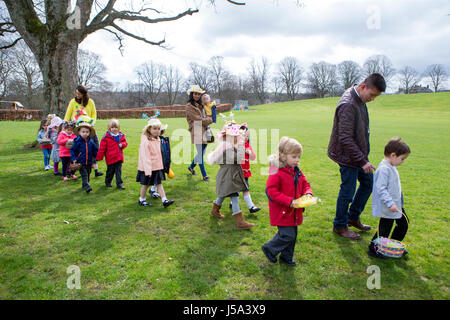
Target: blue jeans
{"x": 199, "y": 158}
{"x": 47, "y": 153}
{"x": 347, "y": 195}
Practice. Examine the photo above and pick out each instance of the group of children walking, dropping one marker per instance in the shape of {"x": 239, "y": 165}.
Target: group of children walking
{"x": 72, "y": 145}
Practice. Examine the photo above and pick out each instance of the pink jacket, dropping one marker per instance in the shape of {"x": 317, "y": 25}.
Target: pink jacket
{"x": 150, "y": 156}
{"x": 63, "y": 137}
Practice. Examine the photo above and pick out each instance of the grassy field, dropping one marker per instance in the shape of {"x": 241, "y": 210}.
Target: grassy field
{"x": 129, "y": 252}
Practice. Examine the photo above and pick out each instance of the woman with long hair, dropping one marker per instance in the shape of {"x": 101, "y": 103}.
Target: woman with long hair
{"x": 80, "y": 106}
{"x": 198, "y": 122}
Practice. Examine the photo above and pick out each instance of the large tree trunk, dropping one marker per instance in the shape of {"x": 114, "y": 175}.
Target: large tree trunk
{"x": 58, "y": 62}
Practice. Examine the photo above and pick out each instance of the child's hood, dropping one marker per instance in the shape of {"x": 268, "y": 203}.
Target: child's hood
{"x": 111, "y": 136}
{"x": 274, "y": 165}
{"x": 274, "y": 160}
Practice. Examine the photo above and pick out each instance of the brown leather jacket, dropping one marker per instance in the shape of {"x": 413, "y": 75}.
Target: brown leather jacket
{"x": 197, "y": 123}
{"x": 349, "y": 141}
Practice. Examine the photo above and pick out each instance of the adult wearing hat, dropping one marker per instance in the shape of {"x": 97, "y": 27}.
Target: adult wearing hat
{"x": 198, "y": 122}
{"x": 83, "y": 105}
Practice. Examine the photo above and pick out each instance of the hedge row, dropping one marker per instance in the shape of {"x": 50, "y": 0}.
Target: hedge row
{"x": 177, "y": 111}
{"x": 7, "y": 114}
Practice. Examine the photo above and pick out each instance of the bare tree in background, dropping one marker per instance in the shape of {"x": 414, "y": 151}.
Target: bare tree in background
{"x": 277, "y": 86}
{"x": 349, "y": 73}
{"x": 437, "y": 75}
{"x": 408, "y": 77}
{"x": 91, "y": 70}
{"x": 258, "y": 77}
{"x": 172, "y": 80}
{"x": 379, "y": 64}
{"x": 218, "y": 73}
{"x": 53, "y": 31}
{"x": 290, "y": 74}
{"x": 26, "y": 71}
{"x": 322, "y": 79}
{"x": 151, "y": 74}
{"x": 201, "y": 76}
{"x": 5, "y": 72}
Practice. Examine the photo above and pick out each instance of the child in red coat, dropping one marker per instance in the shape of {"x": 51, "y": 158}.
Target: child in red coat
{"x": 111, "y": 147}
{"x": 245, "y": 164}
{"x": 285, "y": 184}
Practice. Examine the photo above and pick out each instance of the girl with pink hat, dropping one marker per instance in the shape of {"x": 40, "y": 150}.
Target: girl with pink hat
{"x": 230, "y": 178}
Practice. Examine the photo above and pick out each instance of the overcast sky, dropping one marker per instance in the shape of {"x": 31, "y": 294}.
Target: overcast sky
{"x": 410, "y": 32}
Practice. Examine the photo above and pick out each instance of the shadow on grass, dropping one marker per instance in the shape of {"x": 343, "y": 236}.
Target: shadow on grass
{"x": 219, "y": 264}
{"x": 281, "y": 281}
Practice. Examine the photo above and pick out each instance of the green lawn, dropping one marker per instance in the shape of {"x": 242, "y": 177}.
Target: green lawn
{"x": 129, "y": 252}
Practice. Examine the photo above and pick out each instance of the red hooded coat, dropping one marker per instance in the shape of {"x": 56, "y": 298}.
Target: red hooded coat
{"x": 281, "y": 191}
{"x": 109, "y": 148}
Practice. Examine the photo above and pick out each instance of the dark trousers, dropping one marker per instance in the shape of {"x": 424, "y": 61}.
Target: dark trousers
{"x": 114, "y": 169}
{"x": 283, "y": 243}
{"x": 85, "y": 172}
{"x": 347, "y": 195}
{"x": 66, "y": 166}
{"x": 385, "y": 228}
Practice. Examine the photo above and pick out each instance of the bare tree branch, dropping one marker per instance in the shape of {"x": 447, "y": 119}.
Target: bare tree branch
{"x": 115, "y": 26}
{"x": 11, "y": 44}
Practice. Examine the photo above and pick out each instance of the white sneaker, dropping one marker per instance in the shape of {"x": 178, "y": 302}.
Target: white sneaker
{"x": 46, "y": 168}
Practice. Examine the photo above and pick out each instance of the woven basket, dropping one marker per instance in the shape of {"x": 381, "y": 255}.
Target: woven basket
{"x": 389, "y": 247}
{"x": 75, "y": 166}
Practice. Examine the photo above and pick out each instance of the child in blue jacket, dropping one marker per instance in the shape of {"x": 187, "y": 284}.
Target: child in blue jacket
{"x": 166, "y": 157}
{"x": 84, "y": 151}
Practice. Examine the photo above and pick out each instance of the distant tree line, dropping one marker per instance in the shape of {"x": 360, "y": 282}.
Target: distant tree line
{"x": 159, "y": 84}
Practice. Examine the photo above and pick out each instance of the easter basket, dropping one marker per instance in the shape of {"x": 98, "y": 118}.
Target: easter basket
{"x": 305, "y": 201}
{"x": 75, "y": 166}
{"x": 69, "y": 144}
{"x": 389, "y": 247}
{"x": 45, "y": 141}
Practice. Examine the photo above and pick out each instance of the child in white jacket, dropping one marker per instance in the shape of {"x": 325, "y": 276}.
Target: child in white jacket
{"x": 387, "y": 196}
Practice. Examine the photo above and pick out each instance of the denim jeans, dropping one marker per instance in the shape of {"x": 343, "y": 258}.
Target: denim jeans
{"x": 47, "y": 153}
{"x": 347, "y": 195}
{"x": 199, "y": 158}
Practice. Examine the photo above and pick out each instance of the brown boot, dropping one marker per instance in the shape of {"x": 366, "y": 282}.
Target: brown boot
{"x": 240, "y": 221}
{"x": 215, "y": 212}
{"x": 358, "y": 225}
{"x": 345, "y": 233}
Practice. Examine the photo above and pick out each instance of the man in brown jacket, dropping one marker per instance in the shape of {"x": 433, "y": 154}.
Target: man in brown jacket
{"x": 349, "y": 147}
